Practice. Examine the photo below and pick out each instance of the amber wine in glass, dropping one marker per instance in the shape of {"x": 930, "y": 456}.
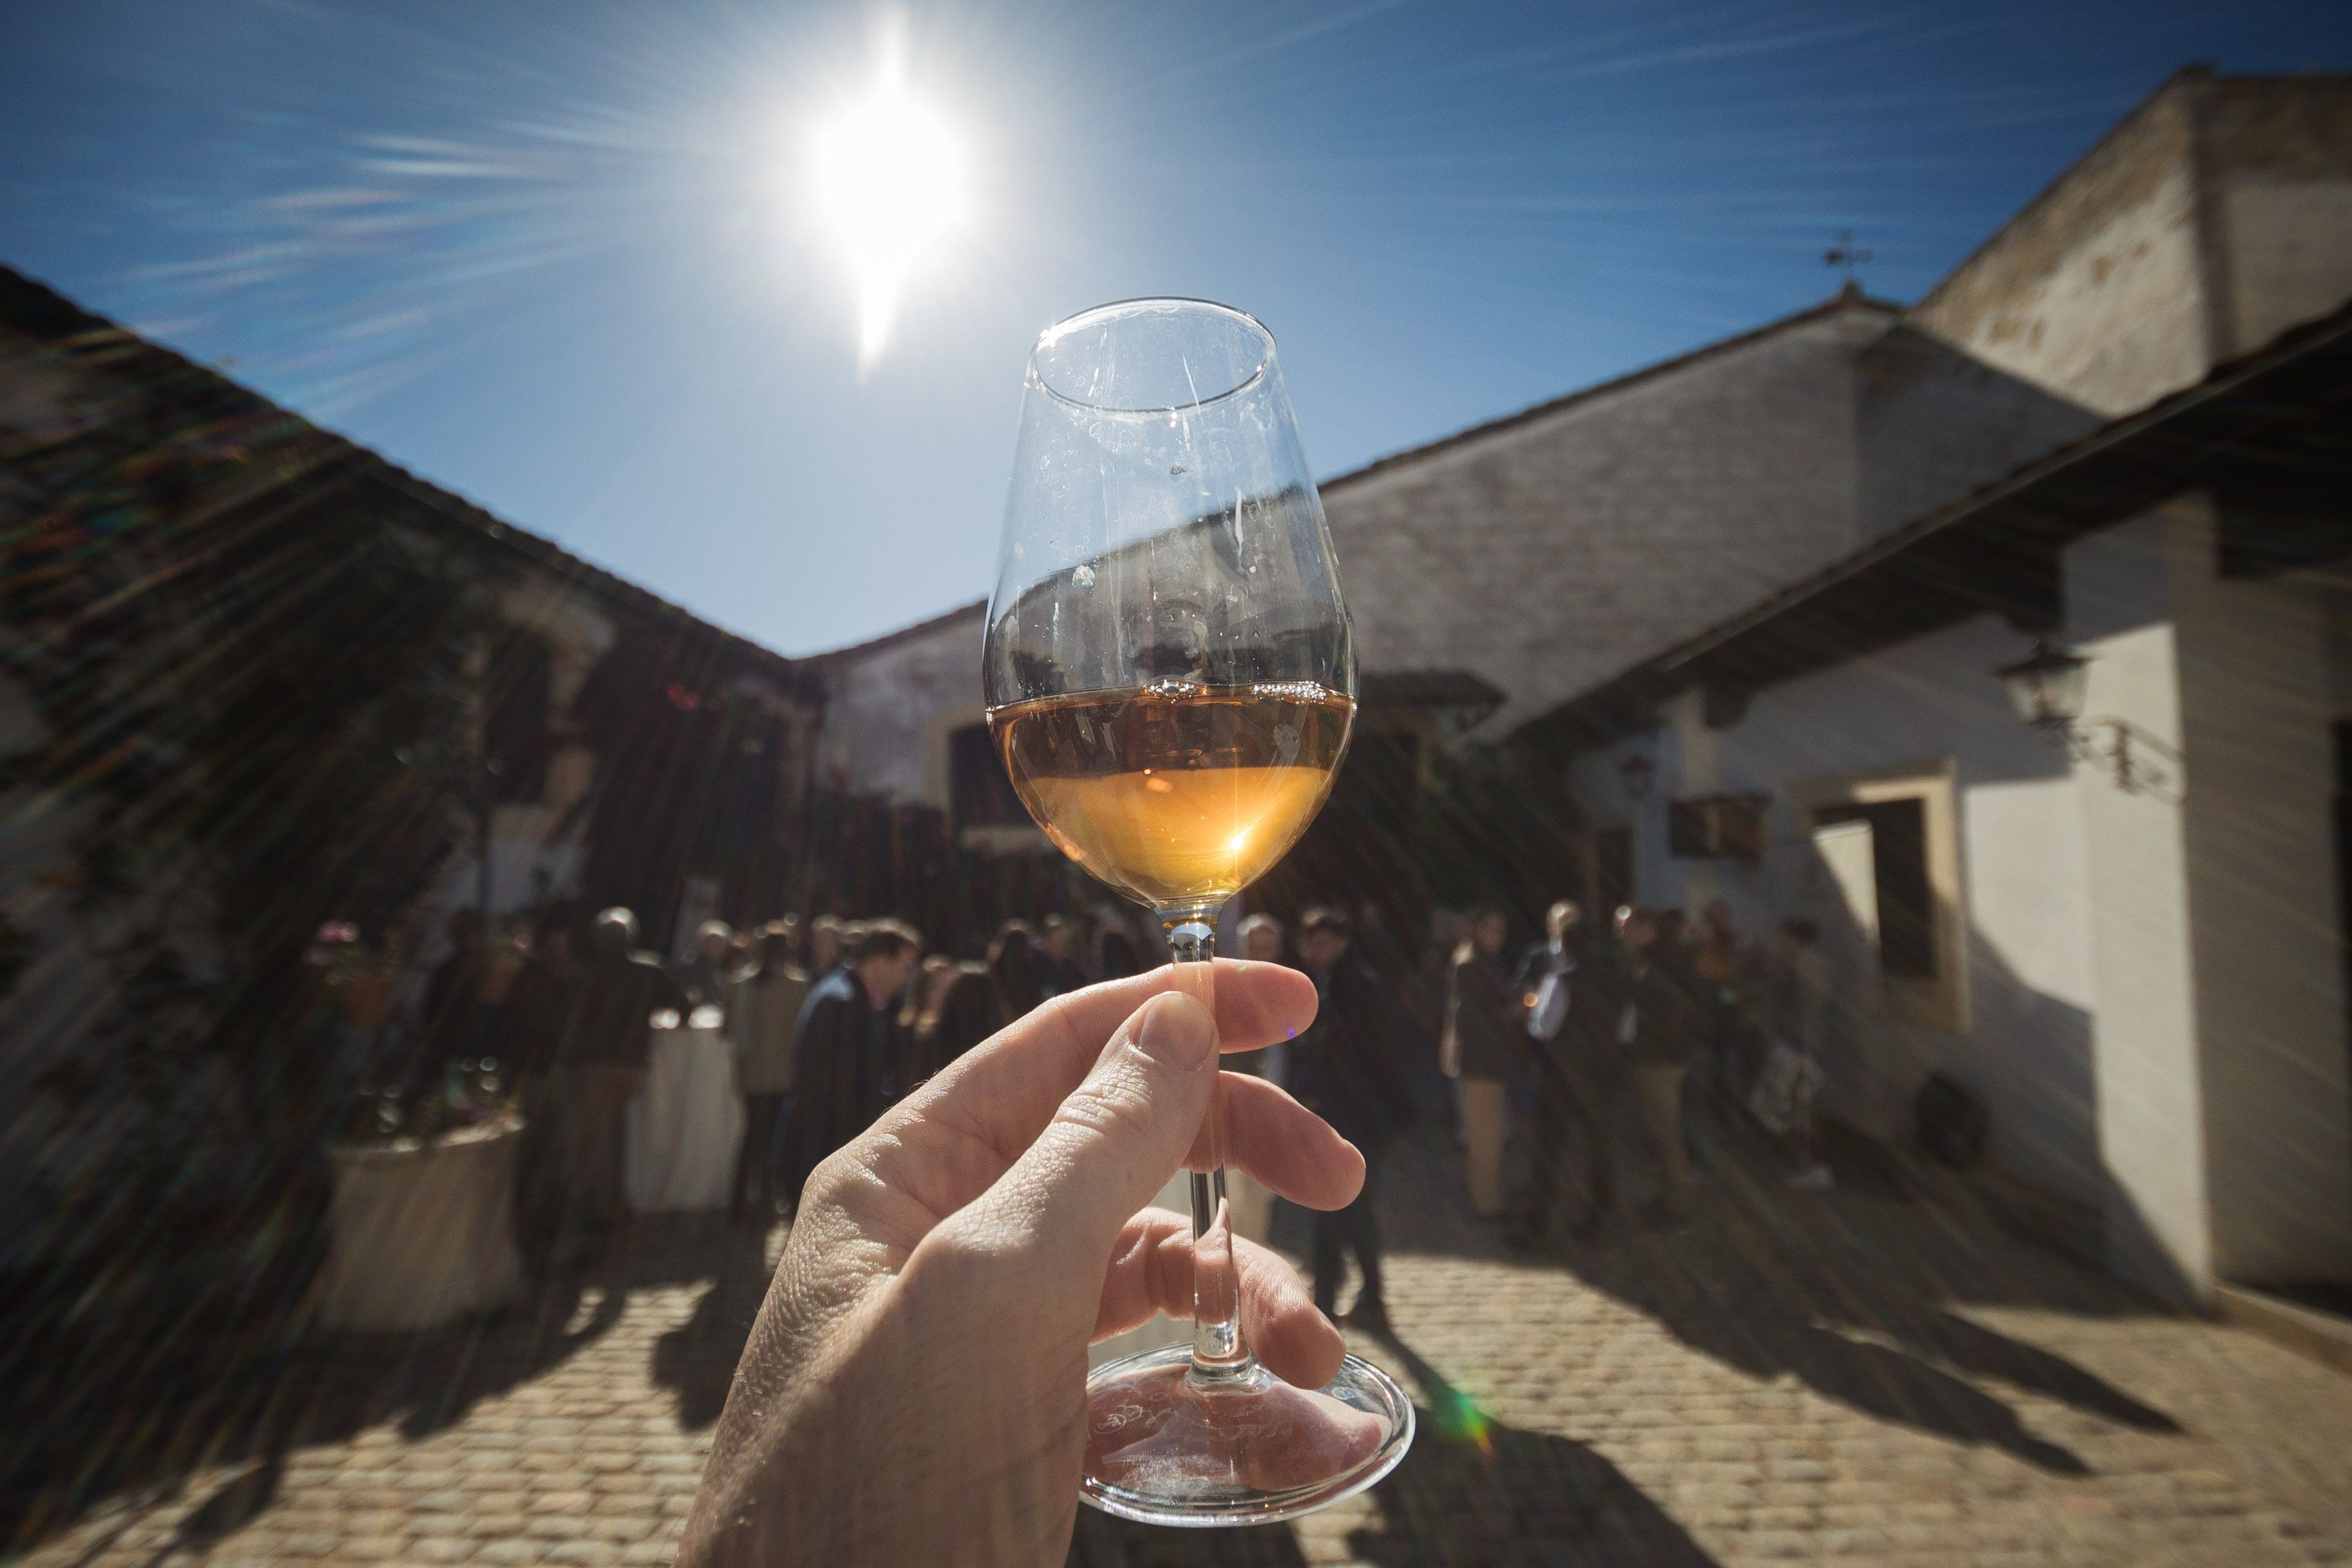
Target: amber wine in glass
{"x": 1174, "y": 796}
{"x": 1171, "y": 680}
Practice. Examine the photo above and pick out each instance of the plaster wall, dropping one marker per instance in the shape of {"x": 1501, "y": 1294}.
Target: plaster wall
{"x": 2256, "y": 710}
{"x": 2150, "y": 1102}
{"x": 2278, "y": 152}
{"x": 1924, "y": 710}
{"x": 890, "y": 705}
{"x": 2095, "y": 291}
{"x": 1934, "y": 424}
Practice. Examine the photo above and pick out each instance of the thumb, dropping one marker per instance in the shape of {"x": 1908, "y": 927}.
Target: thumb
{"x": 1116, "y": 1139}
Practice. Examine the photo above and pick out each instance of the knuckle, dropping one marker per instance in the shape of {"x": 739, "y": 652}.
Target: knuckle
{"x": 1109, "y": 1104}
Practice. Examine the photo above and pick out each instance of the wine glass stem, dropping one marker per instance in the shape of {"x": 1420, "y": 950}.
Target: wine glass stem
{"x": 1220, "y": 1353}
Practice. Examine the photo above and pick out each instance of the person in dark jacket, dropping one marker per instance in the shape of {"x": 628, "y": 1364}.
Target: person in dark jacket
{"x": 450, "y": 1015}
{"x": 849, "y": 1053}
{"x": 1349, "y": 1069}
{"x": 1118, "y": 957}
{"x": 536, "y": 1032}
{"x": 1012, "y": 963}
{"x": 1055, "y": 968}
{"x": 1485, "y": 1047}
{"x": 1661, "y": 1024}
{"x": 619, "y": 991}
{"x": 962, "y": 1011}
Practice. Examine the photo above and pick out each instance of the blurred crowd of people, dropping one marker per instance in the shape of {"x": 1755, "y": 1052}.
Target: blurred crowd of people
{"x": 830, "y": 1021}
{"x": 1683, "y": 1040}
{"x": 1638, "y": 1041}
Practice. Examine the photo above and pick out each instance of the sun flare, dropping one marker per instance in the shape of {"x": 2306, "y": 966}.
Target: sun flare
{"x": 889, "y": 177}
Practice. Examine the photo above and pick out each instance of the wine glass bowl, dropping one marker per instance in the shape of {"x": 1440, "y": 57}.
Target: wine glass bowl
{"x": 1169, "y": 669}
{"x": 1171, "y": 682}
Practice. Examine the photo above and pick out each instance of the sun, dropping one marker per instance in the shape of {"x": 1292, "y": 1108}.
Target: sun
{"x": 889, "y": 180}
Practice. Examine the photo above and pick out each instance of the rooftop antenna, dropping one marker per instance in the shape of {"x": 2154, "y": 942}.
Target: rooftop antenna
{"x": 1845, "y": 256}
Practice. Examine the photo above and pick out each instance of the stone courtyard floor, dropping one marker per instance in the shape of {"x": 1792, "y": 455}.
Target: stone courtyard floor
{"x": 1854, "y": 1377}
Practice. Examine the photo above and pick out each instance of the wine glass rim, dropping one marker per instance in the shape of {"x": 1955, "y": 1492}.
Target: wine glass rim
{"x": 1070, "y": 323}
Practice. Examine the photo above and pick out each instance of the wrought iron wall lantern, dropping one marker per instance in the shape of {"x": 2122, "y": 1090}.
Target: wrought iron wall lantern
{"x": 2047, "y": 687}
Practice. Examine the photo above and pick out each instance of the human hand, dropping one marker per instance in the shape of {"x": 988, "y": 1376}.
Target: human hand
{"x": 914, "y": 1388}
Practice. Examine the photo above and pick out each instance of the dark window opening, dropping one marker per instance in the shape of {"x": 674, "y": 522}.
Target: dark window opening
{"x": 1907, "y": 898}
{"x": 979, "y": 792}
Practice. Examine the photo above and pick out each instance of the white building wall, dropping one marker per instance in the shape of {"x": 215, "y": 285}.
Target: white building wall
{"x": 1923, "y": 710}
{"x": 890, "y": 706}
{"x": 2151, "y": 1103}
{"x": 2280, "y": 154}
{"x": 2275, "y": 1074}
{"x": 2155, "y": 1008}
{"x": 2096, "y": 290}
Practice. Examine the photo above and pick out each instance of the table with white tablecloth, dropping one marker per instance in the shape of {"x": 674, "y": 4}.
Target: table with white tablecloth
{"x": 686, "y": 1124}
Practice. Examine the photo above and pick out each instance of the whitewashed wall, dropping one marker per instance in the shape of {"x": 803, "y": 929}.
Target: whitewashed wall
{"x": 890, "y": 705}
{"x": 2155, "y": 993}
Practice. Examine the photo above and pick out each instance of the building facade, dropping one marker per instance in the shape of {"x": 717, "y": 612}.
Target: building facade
{"x": 255, "y": 683}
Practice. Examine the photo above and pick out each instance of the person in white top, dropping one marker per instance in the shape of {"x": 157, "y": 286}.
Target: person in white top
{"x": 1567, "y": 1053}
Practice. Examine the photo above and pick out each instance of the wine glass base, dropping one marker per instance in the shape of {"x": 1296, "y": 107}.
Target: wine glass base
{"x": 1164, "y": 1447}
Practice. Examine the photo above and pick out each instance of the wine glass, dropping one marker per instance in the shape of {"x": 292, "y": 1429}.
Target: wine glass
{"x": 1171, "y": 682}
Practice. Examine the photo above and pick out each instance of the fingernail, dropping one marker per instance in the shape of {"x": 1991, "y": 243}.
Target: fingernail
{"x": 1176, "y": 1031}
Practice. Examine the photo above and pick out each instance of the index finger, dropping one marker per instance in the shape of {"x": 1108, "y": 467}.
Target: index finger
{"x": 1257, "y": 1004}
{"x": 1005, "y": 1088}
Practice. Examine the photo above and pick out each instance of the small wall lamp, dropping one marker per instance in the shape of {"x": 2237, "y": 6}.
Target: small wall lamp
{"x": 2047, "y": 687}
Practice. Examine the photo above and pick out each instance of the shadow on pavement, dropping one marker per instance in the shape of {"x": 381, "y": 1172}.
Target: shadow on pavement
{"x": 1469, "y": 1492}
{"x": 139, "y": 1427}
{"x": 697, "y": 1358}
{"x": 1853, "y": 1292}
{"x": 1473, "y": 1491}
{"x": 1102, "y": 1542}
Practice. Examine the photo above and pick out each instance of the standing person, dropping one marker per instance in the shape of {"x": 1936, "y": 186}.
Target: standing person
{"x": 449, "y": 1013}
{"x": 1655, "y": 1033}
{"x": 619, "y": 991}
{"x": 1725, "y": 970}
{"x": 1565, "y": 998}
{"x": 704, "y": 975}
{"x": 1483, "y": 1048}
{"x": 538, "y": 1027}
{"x": 959, "y": 1010}
{"x": 1376, "y": 945}
{"x": 1424, "y": 991}
{"x": 849, "y": 1054}
{"x": 1120, "y": 956}
{"x": 1798, "y": 1016}
{"x": 1348, "y": 1068}
{"x": 1055, "y": 968}
{"x": 763, "y": 1017}
{"x": 1012, "y": 963}
{"x": 1261, "y": 943}
{"x": 536, "y": 1020}
{"x": 1692, "y": 1021}
{"x": 823, "y": 946}
{"x": 929, "y": 991}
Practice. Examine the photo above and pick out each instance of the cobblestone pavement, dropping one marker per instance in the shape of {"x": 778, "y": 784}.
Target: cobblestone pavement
{"x": 1819, "y": 1378}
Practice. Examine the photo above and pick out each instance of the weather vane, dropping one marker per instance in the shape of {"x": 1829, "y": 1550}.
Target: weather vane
{"x": 1845, "y": 257}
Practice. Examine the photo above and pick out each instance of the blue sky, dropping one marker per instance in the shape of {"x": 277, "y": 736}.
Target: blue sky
{"x": 557, "y": 258}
